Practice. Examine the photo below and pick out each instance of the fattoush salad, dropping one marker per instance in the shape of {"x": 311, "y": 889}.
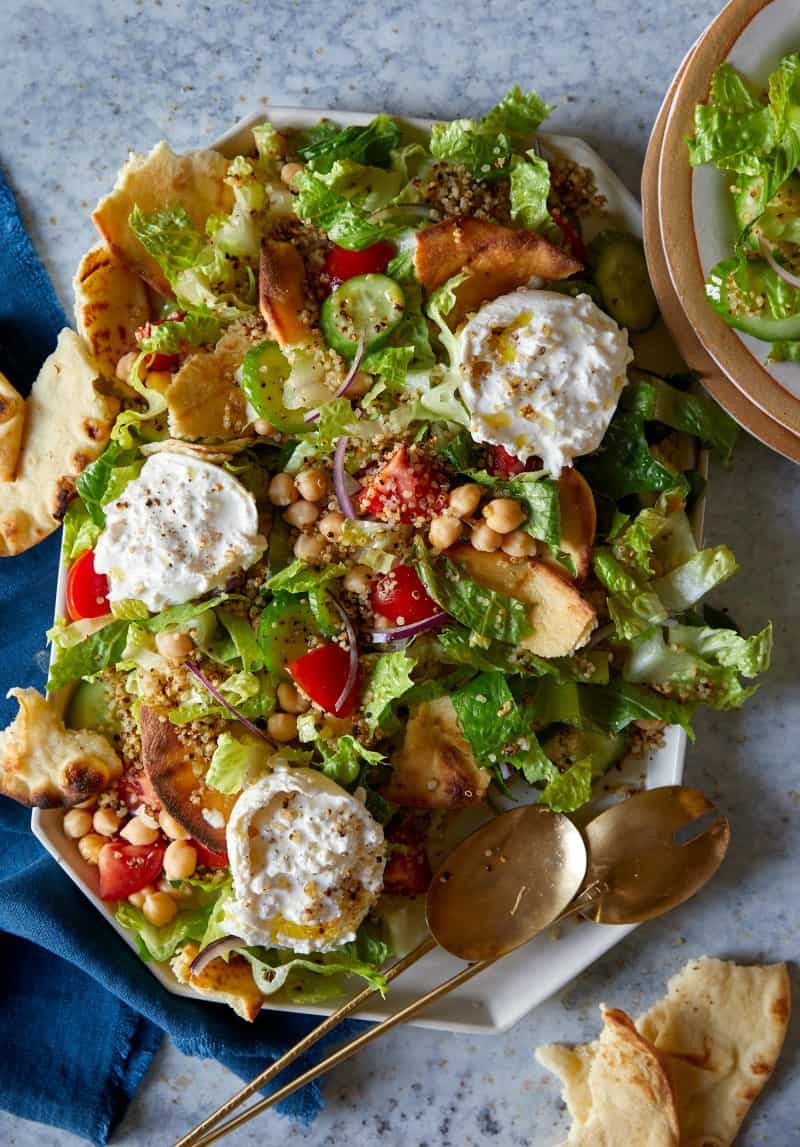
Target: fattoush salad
{"x": 381, "y": 522}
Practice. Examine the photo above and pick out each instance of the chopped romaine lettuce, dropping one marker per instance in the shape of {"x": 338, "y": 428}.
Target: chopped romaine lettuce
{"x": 683, "y": 586}
{"x": 89, "y": 655}
{"x": 618, "y": 704}
{"x": 170, "y": 237}
{"x": 519, "y": 114}
{"x": 174, "y": 335}
{"x": 691, "y": 413}
{"x": 372, "y": 144}
{"x": 243, "y": 644}
{"x": 571, "y": 789}
{"x": 316, "y": 978}
{"x": 81, "y": 531}
{"x": 487, "y": 713}
{"x": 537, "y": 493}
{"x": 161, "y": 942}
{"x": 300, "y": 577}
{"x": 346, "y": 762}
{"x": 389, "y": 679}
{"x": 624, "y": 464}
{"x": 237, "y": 760}
{"x": 106, "y": 478}
{"x": 530, "y": 187}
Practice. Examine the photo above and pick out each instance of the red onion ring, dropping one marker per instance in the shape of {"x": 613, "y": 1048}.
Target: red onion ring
{"x": 340, "y": 482}
{"x": 781, "y": 272}
{"x": 352, "y": 671}
{"x": 351, "y": 374}
{"x": 215, "y": 693}
{"x": 383, "y": 636}
{"x": 219, "y": 947}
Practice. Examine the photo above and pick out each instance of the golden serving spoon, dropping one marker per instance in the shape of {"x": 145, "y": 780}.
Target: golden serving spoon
{"x": 508, "y": 881}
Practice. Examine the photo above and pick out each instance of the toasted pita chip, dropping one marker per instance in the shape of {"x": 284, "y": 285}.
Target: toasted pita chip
{"x": 67, "y": 424}
{"x": 282, "y": 292}
{"x": 12, "y": 423}
{"x": 720, "y": 1027}
{"x": 562, "y": 620}
{"x": 110, "y": 303}
{"x": 46, "y": 765}
{"x": 498, "y": 260}
{"x": 617, "y": 1089}
{"x": 203, "y": 399}
{"x": 435, "y": 767}
{"x": 578, "y": 520}
{"x": 194, "y": 181}
{"x": 218, "y": 453}
{"x": 232, "y": 983}
{"x": 170, "y": 765}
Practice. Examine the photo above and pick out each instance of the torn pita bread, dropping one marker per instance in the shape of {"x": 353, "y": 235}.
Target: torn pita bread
{"x": 194, "y": 181}
{"x": 67, "y": 425}
{"x": 617, "y": 1089}
{"x": 218, "y": 453}
{"x": 12, "y": 423}
{"x": 204, "y": 400}
{"x": 110, "y": 303}
{"x": 232, "y": 983}
{"x": 721, "y": 1027}
{"x": 46, "y": 765}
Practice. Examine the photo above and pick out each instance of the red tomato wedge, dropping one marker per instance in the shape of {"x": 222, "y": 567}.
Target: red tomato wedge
{"x": 321, "y": 674}
{"x": 87, "y": 590}
{"x": 207, "y": 857}
{"x": 128, "y": 868}
{"x": 503, "y": 464}
{"x": 341, "y": 264}
{"x": 402, "y": 490}
{"x": 401, "y": 597}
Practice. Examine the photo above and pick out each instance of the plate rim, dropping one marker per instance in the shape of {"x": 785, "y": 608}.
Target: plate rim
{"x": 676, "y": 213}
{"x": 735, "y": 401}
{"x": 605, "y": 937}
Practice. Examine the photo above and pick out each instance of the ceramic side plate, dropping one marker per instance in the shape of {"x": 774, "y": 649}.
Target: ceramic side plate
{"x": 503, "y": 994}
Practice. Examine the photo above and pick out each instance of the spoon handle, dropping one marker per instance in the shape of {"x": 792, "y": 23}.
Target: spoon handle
{"x": 195, "y": 1137}
{"x": 341, "y": 1054}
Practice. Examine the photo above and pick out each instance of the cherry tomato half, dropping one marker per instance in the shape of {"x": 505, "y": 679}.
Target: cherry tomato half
{"x": 401, "y": 597}
{"x": 402, "y": 490}
{"x": 503, "y": 464}
{"x": 341, "y": 264}
{"x": 207, "y": 857}
{"x": 128, "y": 868}
{"x": 160, "y": 361}
{"x": 87, "y": 590}
{"x": 322, "y": 674}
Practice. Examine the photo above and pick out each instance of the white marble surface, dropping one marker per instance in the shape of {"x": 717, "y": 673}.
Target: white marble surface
{"x": 81, "y": 83}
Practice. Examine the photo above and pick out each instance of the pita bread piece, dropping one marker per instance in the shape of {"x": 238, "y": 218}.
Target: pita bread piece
{"x": 46, "y": 765}
{"x": 12, "y": 423}
{"x": 617, "y": 1089}
{"x": 203, "y": 399}
{"x": 232, "y": 983}
{"x": 161, "y": 179}
{"x": 110, "y": 303}
{"x": 67, "y": 425}
{"x": 721, "y": 1027}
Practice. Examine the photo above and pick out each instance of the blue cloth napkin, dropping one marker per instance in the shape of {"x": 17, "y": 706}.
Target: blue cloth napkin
{"x": 81, "y": 1017}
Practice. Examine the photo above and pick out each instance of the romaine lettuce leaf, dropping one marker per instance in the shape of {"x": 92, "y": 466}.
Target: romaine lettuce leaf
{"x": 623, "y": 464}
{"x": 530, "y": 187}
{"x": 316, "y": 978}
{"x": 733, "y": 129}
{"x": 344, "y": 222}
{"x": 692, "y": 413}
{"x": 237, "y": 760}
{"x": 243, "y": 644}
{"x": 683, "y": 586}
{"x": 389, "y": 679}
{"x": 160, "y": 942}
{"x": 519, "y": 114}
{"x": 174, "y": 335}
{"x": 252, "y": 694}
{"x": 170, "y": 237}
{"x": 530, "y": 759}
{"x": 372, "y": 144}
{"x": 486, "y": 155}
{"x": 80, "y": 531}
{"x": 632, "y": 604}
{"x": 487, "y": 713}
{"x": 571, "y": 789}
{"x": 618, "y": 704}
{"x": 537, "y": 493}
{"x": 106, "y": 478}
{"x": 347, "y": 762}
{"x": 88, "y": 656}
{"x": 300, "y": 577}
{"x": 457, "y": 647}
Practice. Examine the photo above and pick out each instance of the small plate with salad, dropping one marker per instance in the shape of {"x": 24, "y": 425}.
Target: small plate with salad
{"x": 394, "y": 528}
{"x": 729, "y": 200}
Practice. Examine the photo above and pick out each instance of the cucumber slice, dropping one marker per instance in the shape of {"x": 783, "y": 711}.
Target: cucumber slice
{"x": 755, "y": 278}
{"x": 264, "y": 371}
{"x": 284, "y": 631}
{"x": 90, "y": 708}
{"x": 366, "y": 306}
{"x": 620, "y": 272}
{"x": 569, "y": 745}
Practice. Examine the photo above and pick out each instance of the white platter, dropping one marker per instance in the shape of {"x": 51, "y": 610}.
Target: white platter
{"x": 505, "y": 993}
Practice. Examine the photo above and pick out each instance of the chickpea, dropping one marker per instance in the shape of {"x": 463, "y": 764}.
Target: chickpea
{"x": 357, "y": 579}
{"x": 464, "y": 500}
{"x": 89, "y": 846}
{"x": 159, "y": 908}
{"x": 170, "y": 827}
{"x": 330, "y": 524}
{"x": 444, "y": 532}
{"x": 309, "y": 548}
{"x": 77, "y": 822}
{"x": 518, "y": 544}
{"x": 291, "y": 700}
{"x": 90, "y": 802}
{"x": 105, "y": 821}
{"x": 503, "y": 515}
{"x": 314, "y": 485}
{"x": 173, "y": 645}
{"x": 301, "y": 514}
{"x": 289, "y": 171}
{"x": 180, "y": 860}
{"x": 137, "y": 832}
{"x": 137, "y": 899}
{"x": 263, "y": 428}
{"x": 282, "y": 490}
{"x": 282, "y": 727}
{"x": 484, "y": 538}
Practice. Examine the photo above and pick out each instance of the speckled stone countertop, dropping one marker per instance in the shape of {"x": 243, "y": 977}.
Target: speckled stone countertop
{"x": 82, "y": 83}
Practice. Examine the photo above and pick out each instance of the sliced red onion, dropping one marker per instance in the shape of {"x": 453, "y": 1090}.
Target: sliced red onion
{"x": 352, "y": 641}
{"x": 383, "y": 636}
{"x": 781, "y": 272}
{"x": 351, "y": 374}
{"x": 340, "y": 477}
{"x": 221, "y": 947}
{"x": 422, "y": 210}
{"x": 215, "y": 693}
